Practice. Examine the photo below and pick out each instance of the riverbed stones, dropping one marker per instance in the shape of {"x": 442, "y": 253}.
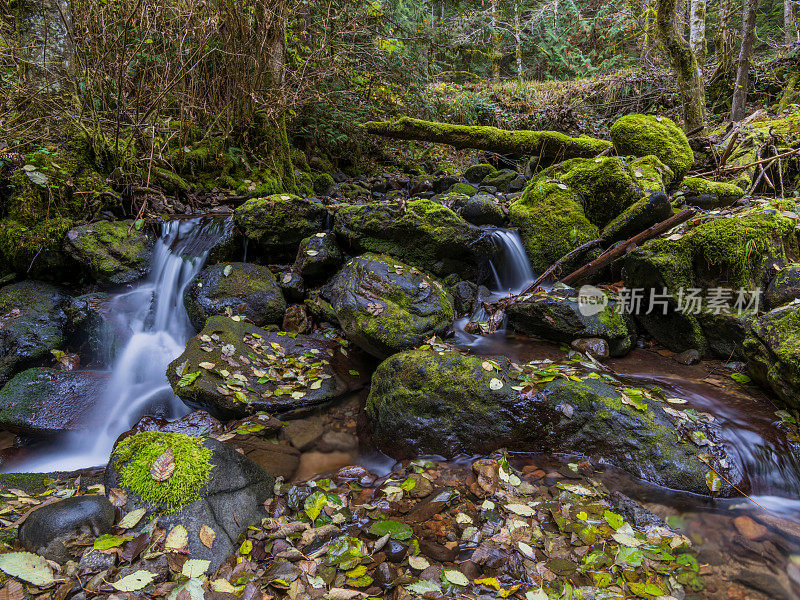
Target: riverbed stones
{"x": 558, "y": 316}
{"x": 48, "y": 529}
{"x": 43, "y": 401}
{"x": 33, "y": 321}
{"x": 220, "y": 489}
{"x": 449, "y": 403}
{"x": 277, "y": 224}
{"x": 384, "y": 305}
{"x": 641, "y": 135}
{"x": 233, "y": 369}
{"x": 111, "y": 252}
{"x": 421, "y": 233}
{"x": 237, "y": 288}
{"x": 772, "y": 348}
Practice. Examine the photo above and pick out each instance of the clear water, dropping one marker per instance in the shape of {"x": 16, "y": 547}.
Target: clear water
{"x": 158, "y": 327}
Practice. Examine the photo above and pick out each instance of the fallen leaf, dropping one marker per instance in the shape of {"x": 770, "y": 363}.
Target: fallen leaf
{"x": 28, "y": 567}
{"x": 177, "y": 538}
{"x": 135, "y": 581}
{"x": 207, "y": 536}
{"x": 132, "y": 518}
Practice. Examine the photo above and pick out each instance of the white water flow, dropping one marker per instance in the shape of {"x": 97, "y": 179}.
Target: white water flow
{"x": 157, "y": 328}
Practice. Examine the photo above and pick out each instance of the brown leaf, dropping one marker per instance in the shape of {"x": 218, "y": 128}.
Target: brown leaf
{"x": 12, "y": 590}
{"x": 118, "y": 497}
{"x": 135, "y": 547}
{"x": 164, "y": 466}
{"x": 207, "y": 536}
{"x": 176, "y": 562}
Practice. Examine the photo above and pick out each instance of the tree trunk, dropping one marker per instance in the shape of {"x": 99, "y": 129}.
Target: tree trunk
{"x": 743, "y": 64}
{"x": 684, "y": 64}
{"x": 45, "y": 31}
{"x": 697, "y": 30}
{"x": 495, "y": 41}
{"x": 518, "y": 42}
{"x": 727, "y": 39}
{"x": 791, "y": 35}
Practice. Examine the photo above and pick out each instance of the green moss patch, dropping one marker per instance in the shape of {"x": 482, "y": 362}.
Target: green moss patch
{"x": 643, "y": 135}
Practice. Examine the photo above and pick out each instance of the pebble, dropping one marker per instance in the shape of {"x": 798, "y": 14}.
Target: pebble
{"x": 303, "y": 433}
{"x": 750, "y": 529}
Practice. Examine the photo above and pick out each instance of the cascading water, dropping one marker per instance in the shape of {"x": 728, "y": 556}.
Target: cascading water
{"x": 157, "y": 328}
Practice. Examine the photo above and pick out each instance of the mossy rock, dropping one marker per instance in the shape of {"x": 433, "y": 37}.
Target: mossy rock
{"x": 643, "y": 135}
{"x": 385, "y": 306}
{"x": 212, "y": 486}
{"x": 708, "y": 194}
{"x": 278, "y": 223}
{"x": 34, "y": 321}
{"x": 462, "y": 188}
{"x": 784, "y": 287}
{"x": 233, "y": 369}
{"x": 420, "y": 232}
{"x": 652, "y": 174}
{"x": 638, "y": 217}
{"x": 480, "y": 209}
{"x": 500, "y": 180}
{"x": 557, "y": 316}
{"x": 551, "y": 223}
{"x": 725, "y": 333}
{"x": 36, "y": 250}
{"x": 239, "y": 288}
{"x": 45, "y": 402}
{"x": 323, "y": 183}
{"x": 449, "y": 403}
{"x": 110, "y": 252}
{"x": 773, "y": 352}
{"x": 477, "y": 173}
{"x": 318, "y": 257}
{"x": 733, "y": 252}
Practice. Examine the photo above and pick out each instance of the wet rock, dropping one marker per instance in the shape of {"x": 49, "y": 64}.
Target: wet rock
{"x": 437, "y": 551}
{"x": 111, "y": 252}
{"x": 281, "y": 372}
{"x": 557, "y": 315}
{"x": 688, "y": 357}
{"x": 43, "y": 401}
{"x": 395, "y": 551}
{"x": 773, "y": 355}
{"x": 277, "y": 459}
{"x": 642, "y": 135}
{"x": 442, "y": 184}
{"x": 784, "y": 287}
{"x": 638, "y": 217}
{"x": 384, "y": 305}
{"x": 481, "y": 209}
{"x": 421, "y": 233}
{"x": 750, "y": 529}
{"x": 49, "y": 528}
{"x": 295, "y": 319}
{"x": 97, "y": 333}
{"x": 292, "y": 286}
{"x": 278, "y": 223}
{"x": 303, "y": 433}
{"x": 33, "y": 321}
{"x": 463, "y": 294}
{"x": 221, "y": 490}
{"x": 597, "y": 347}
{"x": 338, "y": 441}
{"x": 94, "y": 560}
{"x": 725, "y": 333}
{"x": 239, "y": 288}
{"x": 449, "y": 403}
{"x": 318, "y": 257}
{"x": 477, "y": 173}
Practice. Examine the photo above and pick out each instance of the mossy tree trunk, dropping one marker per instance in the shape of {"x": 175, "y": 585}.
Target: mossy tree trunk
{"x": 697, "y": 30}
{"x": 743, "y": 64}
{"x": 684, "y": 64}
{"x": 45, "y": 32}
{"x": 790, "y": 32}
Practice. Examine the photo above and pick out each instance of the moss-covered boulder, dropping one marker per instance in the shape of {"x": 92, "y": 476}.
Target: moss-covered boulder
{"x": 462, "y": 188}
{"x": 421, "y": 233}
{"x": 642, "y": 135}
{"x": 784, "y": 287}
{"x": 551, "y": 222}
{"x": 480, "y": 209}
{"x": 44, "y": 401}
{"x": 734, "y": 252}
{"x": 36, "y": 250}
{"x": 33, "y": 321}
{"x": 318, "y": 257}
{"x": 708, "y": 194}
{"x": 385, "y": 306}
{"x": 500, "y": 180}
{"x": 449, "y": 403}
{"x": 652, "y": 175}
{"x": 110, "y": 252}
{"x": 556, "y": 315}
{"x": 207, "y": 486}
{"x": 479, "y": 172}
{"x": 236, "y": 288}
{"x": 637, "y": 217}
{"x": 278, "y": 223}
{"x": 232, "y": 369}
{"x": 772, "y": 348}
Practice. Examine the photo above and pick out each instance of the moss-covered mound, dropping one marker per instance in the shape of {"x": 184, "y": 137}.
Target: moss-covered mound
{"x": 278, "y": 223}
{"x": 448, "y": 403}
{"x": 641, "y": 135}
{"x": 236, "y": 288}
{"x": 233, "y": 369}
{"x": 733, "y": 252}
{"x": 479, "y": 172}
{"x": 422, "y": 233}
{"x": 385, "y": 306}
{"x": 708, "y": 194}
{"x": 110, "y": 252}
{"x": 556, "y": 316}
{"x": 773, "y": 352}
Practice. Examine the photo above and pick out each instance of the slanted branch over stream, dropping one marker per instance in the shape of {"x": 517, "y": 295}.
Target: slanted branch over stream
{"x": 549, "y": 146}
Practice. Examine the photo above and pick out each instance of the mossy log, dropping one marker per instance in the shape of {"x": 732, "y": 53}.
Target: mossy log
{"x": 550, "y": 146}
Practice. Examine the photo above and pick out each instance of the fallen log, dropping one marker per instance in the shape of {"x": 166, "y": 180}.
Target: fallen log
{"x": 548, "y": 145}
{"x": 612, "y": 254}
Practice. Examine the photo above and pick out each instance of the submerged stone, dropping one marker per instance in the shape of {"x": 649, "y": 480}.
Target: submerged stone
{"x": 233, "y": 369}
{"x": 241, "y": 288}
{"x": 111, "y": 252}
{"x": 384, "y": 305}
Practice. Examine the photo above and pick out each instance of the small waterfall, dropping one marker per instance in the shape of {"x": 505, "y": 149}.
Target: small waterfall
{"x": 513, "y": 273}
{"x": 158, "y": 326}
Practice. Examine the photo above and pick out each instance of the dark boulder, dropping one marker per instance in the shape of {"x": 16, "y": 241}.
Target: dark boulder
{"x": 318, "y": 257}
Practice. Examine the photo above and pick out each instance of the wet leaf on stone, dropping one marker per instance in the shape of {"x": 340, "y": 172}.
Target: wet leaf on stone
{"x": 164, "y": 466}
{"x": 713, "y": 481}
{"x": 107, "y": 541}
{"x": 422, "y": 587}
{"x": 740, "y": 378}
{"x": 135, "y": 581}
{"x": 177, "y": 538}
{"x": 188, "y": 379}
{"x": 455, "y": 577}
{"x": 195, "y": 567}
{"x": 28, "y": 567}
{"x": 614, "y": 520}
{"x": 398, "y": 531}
{"x": 207, "y": 536}
{"x": 629, "y": 557}
{"x": 227, "y": 270}
{"x": 132, "y": 518}
{"x": 495, "y": 384}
